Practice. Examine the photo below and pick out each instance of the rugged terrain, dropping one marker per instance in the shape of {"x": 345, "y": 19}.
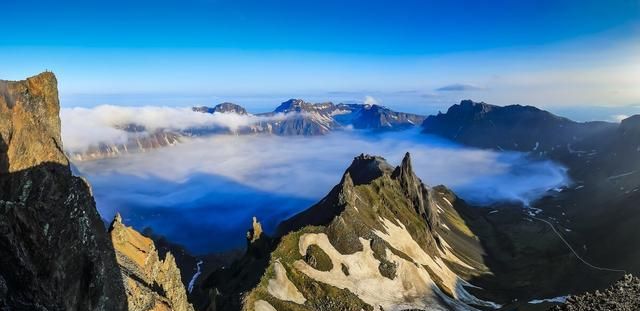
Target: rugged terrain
{"x": 150, "y": 283}
{"x": 598, "y": 213}
{"x": 55, "y": 253}
{"x": 624, "y": 295}
{"x": 380, "y": 239}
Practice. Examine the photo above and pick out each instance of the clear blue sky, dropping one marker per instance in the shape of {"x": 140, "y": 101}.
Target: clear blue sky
{"x": 348, "y": 49}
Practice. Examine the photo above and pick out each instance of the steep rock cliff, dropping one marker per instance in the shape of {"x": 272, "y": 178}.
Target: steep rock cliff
{"x": 54, "y": 250}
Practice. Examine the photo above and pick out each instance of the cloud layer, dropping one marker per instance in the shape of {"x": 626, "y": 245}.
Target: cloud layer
{"x": 202, "y": 193}
{"x": 458, "y": 88}
{"x": 85, "y": 127}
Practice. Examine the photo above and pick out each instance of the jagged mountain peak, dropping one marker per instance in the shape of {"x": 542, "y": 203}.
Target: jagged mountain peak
{"x": 151, "y": 283}
{"x": 294, "y": 104}
{"x": 367, "y": 237}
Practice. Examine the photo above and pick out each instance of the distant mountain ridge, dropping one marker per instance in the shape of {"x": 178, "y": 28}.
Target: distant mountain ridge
{"x": 294, "y": 117}
{"x": 514, "y": 127}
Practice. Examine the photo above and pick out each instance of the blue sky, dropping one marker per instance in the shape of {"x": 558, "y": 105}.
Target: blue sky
{"x": 413, "y": 54}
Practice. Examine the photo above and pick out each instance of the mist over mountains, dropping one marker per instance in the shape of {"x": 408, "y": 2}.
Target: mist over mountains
{"x": 185, "y": 188}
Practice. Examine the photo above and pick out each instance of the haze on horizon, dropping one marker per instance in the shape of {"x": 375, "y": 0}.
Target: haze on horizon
{"x": 419, "y": 56}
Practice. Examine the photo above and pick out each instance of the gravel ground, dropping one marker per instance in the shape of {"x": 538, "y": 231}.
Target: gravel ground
{"x": 624, "y": 295}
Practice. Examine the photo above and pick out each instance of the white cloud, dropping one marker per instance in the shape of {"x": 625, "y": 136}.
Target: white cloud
{"x": 84, "y": 127}
{"x": 370, "y": 100}
{"x": 618, "y": 117}
{"x": 203, "y": 192}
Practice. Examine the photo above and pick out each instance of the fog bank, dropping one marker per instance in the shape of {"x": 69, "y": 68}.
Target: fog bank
{"x": 203, "y": 193}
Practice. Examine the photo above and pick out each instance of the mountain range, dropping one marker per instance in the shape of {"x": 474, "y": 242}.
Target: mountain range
{"x": 380, "y": 239}
{"x": 294, "y": 117}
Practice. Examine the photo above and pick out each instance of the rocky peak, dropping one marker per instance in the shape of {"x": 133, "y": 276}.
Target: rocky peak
{"x": 54, "y": 250}
{"x": 404, "y": 172}
{"x": 256, "y": 231}
{"x": 469, "y": 106}
{"x": 30, "y": 127}
{"x": 293, "y": 105}
{"x": 150, "y": 283}
{"x": 227, "y": 107}
{"x": 366, "y": 237}
{"x": 258, "y": 243}
{"x": 415, "y": 190}
{"x": 366, "y": 168}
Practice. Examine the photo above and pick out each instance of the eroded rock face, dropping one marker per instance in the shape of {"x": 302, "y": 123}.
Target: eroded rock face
{"x": 30, "y": 127}
{"x": 54, "y": 250}
{"x": 150, "y": 283}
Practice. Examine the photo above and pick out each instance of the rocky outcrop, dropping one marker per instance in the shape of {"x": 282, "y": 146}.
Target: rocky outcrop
{"x": 624, "y": 295}
{"x": 225, "y": 107}
{"x": 150, "y": 283}
{"x": 374, "y": 242}
{"x": 55, "y": 253}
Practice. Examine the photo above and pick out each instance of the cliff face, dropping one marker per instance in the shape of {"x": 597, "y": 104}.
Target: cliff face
{"x": 30, "y": 127}
{"x": 150, "y": 283}
{"x": 54, "y": 250}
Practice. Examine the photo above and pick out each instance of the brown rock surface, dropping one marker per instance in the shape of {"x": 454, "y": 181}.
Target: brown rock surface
{"x": 150, "y": 283}
{"x": 54, "y": 249}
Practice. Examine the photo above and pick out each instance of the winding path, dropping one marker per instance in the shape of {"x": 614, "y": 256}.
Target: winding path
{"x": 574, "y": 252}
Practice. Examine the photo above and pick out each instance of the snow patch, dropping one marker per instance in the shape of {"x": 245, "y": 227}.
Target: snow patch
{"x": 412, "y": 288}
{"x": 282, "y": 288}
{"x": 559, "y": 299}
{"x": 261, "y": 305}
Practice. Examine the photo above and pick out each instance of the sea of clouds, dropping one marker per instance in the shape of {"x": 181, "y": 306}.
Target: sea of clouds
{"x": 85, "y": 127}
{"x": 203, "y": 192}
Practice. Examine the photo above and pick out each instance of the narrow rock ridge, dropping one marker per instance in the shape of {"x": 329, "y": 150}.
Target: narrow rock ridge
{"x": 150, "y": 283}
{"x": 415, "y": 190}
{"x": 54, "y": 250}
